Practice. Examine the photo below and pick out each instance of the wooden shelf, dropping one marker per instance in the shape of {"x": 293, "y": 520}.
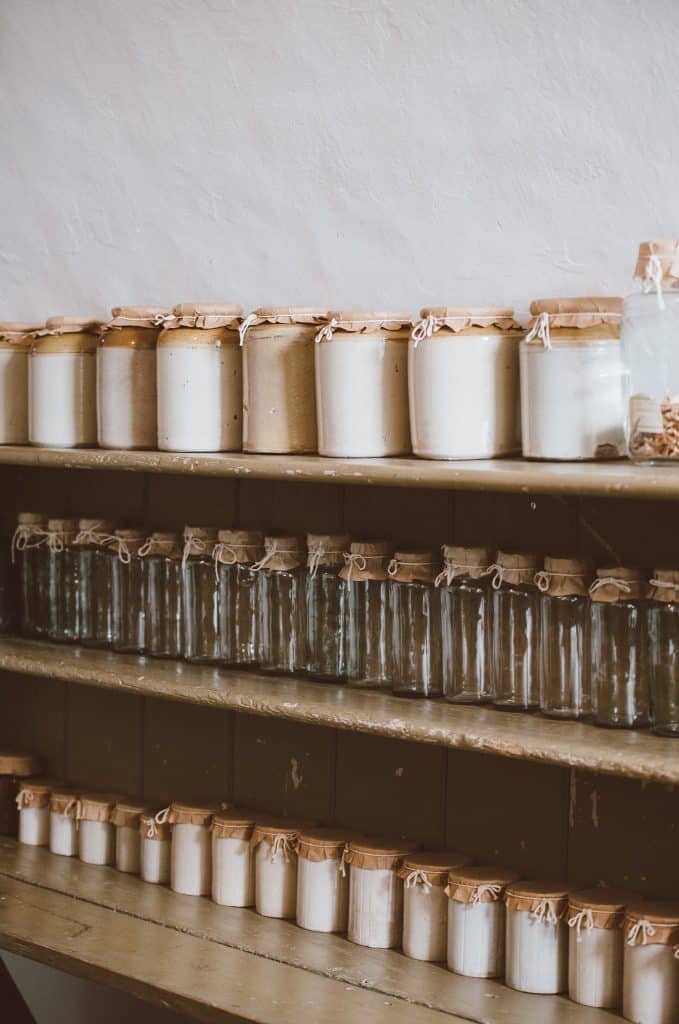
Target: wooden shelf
{"x": 212, "y": 961}
{"x": 616, "y": 752}
{"x": 618, "y": 479}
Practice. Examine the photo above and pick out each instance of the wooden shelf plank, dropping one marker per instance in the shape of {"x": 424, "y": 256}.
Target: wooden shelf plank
{"x": 609, "y": 479}
{"x": 211, "y": 960}
{"x": 617, "y": 752}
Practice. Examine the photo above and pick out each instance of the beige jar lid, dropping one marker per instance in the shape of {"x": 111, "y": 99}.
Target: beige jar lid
{"x": 430, "y": 868}
{"x": 563, "y": 576}
{"x": 281, "y": 553}
{"x": 146, "y": 317}
{"x": 412, "y": 567}
{"x": 198, "y": 540}
{"x": 290, "y": 315}
{"x": 324, "y": 843}
{"x": 547, "y": 901}
{"x": 366, "y": 560}
{"x": 366, "y": 322}
{"x": 32, "y": 519}
{"x": 61, "y": 533}
{"x": 96, "y": 806}
{"x": 94, "y": 531}
{"x": 574, "y": 321}
{"x": 64, "y": 800}
{"x": 474, "y": 320}
{"x": 325, "y": 549}
{"x": 67, "y": 334}
{"x": 149, "y": 828}
{"x": 187, "y": 814}
{"x": 278, "y": 832}
{"x": 472, "y": 562}
{"x": 664, "y": 586}
{"x": 16, "y": 335}
{"x": 515, "y": 568}
{"x": 618, "y": 583}
{"x": 659, "y": 259}
{"x": 482, "y": 884}
{"x": 163, "y": 543}
{"x": 378, "y": 854}
{"x": 203, "y": 317}
{"x": 655, "y": 922}
{"x": 239, "y": 547}
{"x": 126, "y": 813}
{"x": 597, "y": 908}
{"x": 35, "y": 792}
{"x": 29, "y": 525}
{"x": 127, "y": 542}
{"x": 237, "y": 823}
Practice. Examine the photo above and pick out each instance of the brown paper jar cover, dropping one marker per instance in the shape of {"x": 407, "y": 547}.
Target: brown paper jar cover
{"x": 661, "y": 916}
{"x": 664, "y": 586}
{"x": 326, "y": 548}
{"x": 64, "y": 800}
{"x": 282, "y": 315}
{"x": 127, "y": 813}
{"x": 578, "y": 320}
{"x": 666, "y": 251}
{"x": 207, "y": 316}
{"x": 61, "y": 532}
{"x": 366, "y": 560}
{"x": 378, "y": 854}
{"x": 149, "y": 828}
{"x": 396, "y": 323}
{"x": 268, "y": 829}
{"x": 515, "y": 568}
{"x": 431, "y": 867}
{"x": 35, "y": 792}
{"x": 282, "y": 553}
{"x": 190, "y": 814}
{"x": 18, "y": 765}
{"x": 239, "y": 547}
{"x": 13, "y": 766}
{"x": 162, "y": 543}
{"x": 471, "y": 562}
{"x": 481, "y": 884}
{"x": 18, "y": 336}
{"x": 471, "y": 320}
{"x": 94, "y": 531}
{"x": 97, "y": 806}
{"x": 412, "y": 567}
{"x": 529, "y": 896}
{"x": 319, "y": 844}
{"x": 135, "y": 327}
{"x": 128, "y": 541}
{"x": 199, "y": 541}
{"x": 237, "y": 823}
{"x": 617, "y": 583}
{"x": 67, "y": 334}
{"x": 565, "y": 576}
{"x": 605, "y": 908}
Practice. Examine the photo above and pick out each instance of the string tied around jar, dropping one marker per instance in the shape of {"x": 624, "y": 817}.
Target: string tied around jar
{"x": 24, "y": 798}
{"x": 316, "y": 556}
{"x": 93, "y": 535}
{"x": 21, "y": 539}
{"x": 151, "y": 830}
{"x": 342, "y": 867}
{"x": 676, "y": 952}
{"x": 54, "y": 540}
{"x": 145, "y": 547}
{"x": 271, "y": 553}
{"x": 543, "y": 577}
{"x": 161, "y": 816}
{"x": 610, "y": 581}
{"x": 540, "y": 330}
{"x": 491, "y": 889}
{"x": 653, "y": 277}
{"x": 160, "y": 319}
{"x": 77, "y": 808}
{"x": 224, "y": 554}
{"x": 451, "y": 570}
{"x": 194, "y": 545}
{"x": 498, "y": 574}
{"x": 663, "y": 584}
{"x": 417, "y": 877}
{"x": 583, "y": 919}
{"x": 250, "y": 320}
{"x": 544, "y": 912}
{"x": 326, "y": 332}
{"x": 282, "y": 846}
{"x": 396, "y": 563}
{"x": 640, "y": 932}
{"x": 427, "y": 326}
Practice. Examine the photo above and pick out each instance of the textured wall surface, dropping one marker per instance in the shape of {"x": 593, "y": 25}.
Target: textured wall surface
{"x": 351, "y": 152}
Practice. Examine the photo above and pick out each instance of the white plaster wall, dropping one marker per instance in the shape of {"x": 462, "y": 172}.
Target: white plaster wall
{"x": 351, "y": 152}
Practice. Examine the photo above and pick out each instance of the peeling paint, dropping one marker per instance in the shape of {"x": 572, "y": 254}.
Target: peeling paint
{"x": 295, "y": 776}
{"x": 594, "y": 797}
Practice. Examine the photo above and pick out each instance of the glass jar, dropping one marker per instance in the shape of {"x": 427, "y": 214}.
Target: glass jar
{"x": 64, "y": 583}
{"x": 161, "y": 557}
{"x": 650, "y": 987}
{"x": 376, "y": 892}
{"x": 201, "y": 595}
{"x": 125, "y": 818}
{"x": 199, "y": 380}
{"x": 29, "y": 549}
{"x": 96, "y": 834}
{"x": 233, "y": 863}
{"x": 129, "y": 603}
{"x": 33, "y": 801}
{"x": 63, "y": 835}
{"x": 515, "y": 679}
{"x": 155, "y": 842}
{"x": 62, "y": 400}
{"x": 476, "y": 920}
{"x": 368, "y": 657}
{"x": 94, "y": 597}
{"x": 15, "y": 344}
{"x": 617, "y": 647}
{"x": 235, "y": 555}
{"x": 415, "y": 614}
{"x": 13, "y": 769}
{"x": 279, "y": 401}
{"x": 572, "y": 392}
{"x": 275, "y": 845}
{"x": 362, "y": 385}
{"x": 595, "y": 947}
{"x": 191, "y": 861}
{"x": 425, "y": 905}
{"x": 463, "y": 383}
{"x": 465, "y": 595}
{"x": 326, "y": 607}
{"x": 282, "y": 644}
{"x": 322, "y": 880}
{"x": 536, "y": 937}
{"x": 662, "y": 629}
{"x": 565, "y": 690}
{"x": 650, "y": 327}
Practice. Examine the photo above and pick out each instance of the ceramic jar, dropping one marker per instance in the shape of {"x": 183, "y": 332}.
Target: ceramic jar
{"x": 650, "y": 992}
{"x": 595, "y": 952}
{"x": 191, "y": 863}
{"x": 126, "y": 818}
{"x": 33, "y": 801}
{"x": 275, "y": 846}
{"x": 376, "y": 892}
{"x": 415, "y": 614}
{"x": 63, "y": 833}
{"x": 96, "y": 834}
{"x": 476, "y": 920}
{"x": 155, "y": 843}
{"x": 15, "y": 345}
{"x": 536, "y": 937}
{"x": 233, "y": 859}
{"x": 322, "y": 880}
{"x": 62, "y": 402}
{"x": 425, "y": 904}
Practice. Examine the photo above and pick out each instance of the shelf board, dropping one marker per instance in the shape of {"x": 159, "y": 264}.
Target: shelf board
{"x": 617, "y": 479}
{"x": 577, "y": 745}
{"x": 212, "y": 961}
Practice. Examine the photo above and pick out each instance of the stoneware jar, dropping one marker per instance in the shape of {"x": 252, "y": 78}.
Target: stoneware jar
{"x": 96, "y": 834}
{"x": 126, "y": 377}
{"x": 476, "y": 920}
{"x": 233, "y": 861}
{"x": 651, "y": 972}
{"x": 323, "y": 880}
{"x": 63, "y": 835}
{"x": 275, "y": 845}
{"x": 537, "y": 937}
{"x": 200, "y": 380}
{"x": 15, "y": 344}
{"x": 191, "y": 864}
{"x": 362, "y": 385}
{"x": 425, "y": 904}
{"x": 33, "y": 801}
{"x": 279, "y": 401}
{"x": 595, "y": 948}
{"x": 14, "y": 767}
{"x": 463, "y": 383}
{"x": 376, "y": 892}
{"x": 62, "y": 400}
{"x": 155, "y": 841}
{"x": 126, "y": 817}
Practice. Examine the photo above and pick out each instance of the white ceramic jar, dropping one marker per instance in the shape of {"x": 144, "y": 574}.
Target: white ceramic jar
{"x": 651, "y": 963}
{"x": 322, "y": 880}
{"x": 572, "y": 394}
{"x": 463, "y": 383}
{"x": 62, "y": 400}
{"x": 125, "y": 818}
{"x": 155, "y": 843}
{"x": 191, "y": 862}
{"x": 425, "y": 904}
{"x": 275, "y": 845}
{"x": 595, "y": 947}
{"x": 476, "y": 920}
{"x": 279, "y": 401}
{"x": 15, "y": 345}
{"x": 96, "y": 834}
{"x": 126, "y": 377}
{"x": 33, "y": 801}
{"x": 376, "y": 892}
{"x": 199, "y": 370}
{"x": 63, "y": 834}
{"x": 233, "y": 867}
{"x": 362, "y": 385}
{"x": 536, "y": 937}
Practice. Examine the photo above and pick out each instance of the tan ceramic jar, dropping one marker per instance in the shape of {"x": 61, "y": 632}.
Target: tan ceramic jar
{"x": 62, "y": 403}
{"x": 15, "y": 345}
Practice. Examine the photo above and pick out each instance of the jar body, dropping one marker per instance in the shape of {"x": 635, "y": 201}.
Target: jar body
{"x": 322, "y": 895}
{"x": 368, "y": 635}
{"x": 415, "y": 613}
{"x": 362, "y": 396}
{"x": 164, "y": 613}
{"x": 126, "y": 395}
{"x": 279, "y": 402}
{"x": 650, "y": 988}
{"x": 127, "y": 849}
{"x": 233, "y": 872}
{"x": 662, "y": 626}
{"x": 515, "y": 647}
{"x": 281, "y": 620}
{"x": 276, "y": 882}
{"x": 565, "y": 690}
{"x": 34, "y": 575}
{"x": 464, "y": 395}
{"x": 200, "y": 395}
{"x": 63, "y": 834}
{"x": 34, "y": 826}
{"x": 64, "y": 588}
{"x": 129, "y": 605}
{"x": 595, "y": 967}
{"x": 191, "y": 867}
{"x": 618, "y": 670}
{"x": 154, "y": 860}
{"x": 466, "y": 641}
{"x": 536, "y": 954}
{"x": 96, "y": 842}
{"x": 239, "y": 588}
{"x": 572, "y": 401}
{"x": 201, "y": 610}
{"x": 62, "y": 408}
{"x": 326, "y": 617}
{"x": 13, "y": 394}
{"x": 375, "y": 907}
{"x": 476, "y": 938}
{"x": 425, "y": 915}
{"x": 95, "y": 596}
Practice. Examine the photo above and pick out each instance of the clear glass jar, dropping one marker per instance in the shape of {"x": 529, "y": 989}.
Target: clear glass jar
{"x": 662, "y": 628}
{"x": 201, "y": 595}
{"x": 565, "y": 690}
{"x": 64, "y": 571}
{"x": 465, "y": 624}
{"x": 650, "y": 985}
{"x": 326, "y": 607}
{"x": 29, "y": 550}
{"x": 415, "y": 613}
{"x": 515, "y": 632}
{"x": 282, "y": 572}
{"x": 368, "y": 656}
{"x": 595, "y": 947}
{"x": 235, "y": 554}
{"x": 618, "y": 648}
{"x": 162, "y": 566}
{"x": 650, "y": 329}
{"x": 94, "y": 598}
{"x": 129, "y": 604}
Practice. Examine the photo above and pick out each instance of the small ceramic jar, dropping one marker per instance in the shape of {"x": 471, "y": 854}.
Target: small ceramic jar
{"x": 322, "y": 880}
{"x": 233, "y": 867}
{"x": 537, "y": 937}
{"x": 191, "y": 864}
{"x": 650, "y": 992}
{"x": 62, "y": 402}
{"x": 275, "y": 844}
{"x": 155, "y": 842}
{"x": 15, "y": 345}
{"x": 376, "y": 892}
{"x": 425, "y": 904}
{"x": 126, "y": 818}
{"x": 63, "y": 835}
{"x": 14, "y": 768}
{"x": 33, "y": 801}
{"x": 595, "y": 950}
{"x": 96, "y": 834}
{"x": 476, "y": 920}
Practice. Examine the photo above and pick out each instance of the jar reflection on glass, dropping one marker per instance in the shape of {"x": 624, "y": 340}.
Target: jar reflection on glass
{"x": 129, "y": 607}
{"x": 235, "y": 554}
{"x": 415, "y": 612}
{"x": 465, "y": 595}
{"x": 162, "y": 567}
{"x": 95, "y": 582}
{"x": 30, "y": 554}
{"x": 515, "y": 632}
{"x": 200, "y": 595}
{"x": 662, "y": 624}
{"x": 618, "y": 648}
{"x": 63, "y": 579}
{"x": 282, "y": 644}
{"x": 368, "y": 657}
{"x": 326, "y": 606}
{"x": 565, "y": 690}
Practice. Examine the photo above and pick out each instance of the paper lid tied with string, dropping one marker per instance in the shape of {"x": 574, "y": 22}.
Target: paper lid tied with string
{"x": 514, "y": 568}
{"x": 574, "y": 321}
{"x": 619, "y": 583}
{"x": 565, "y": 576}
{"x": 199, "y": 542}
{"x": 599, "y": 907}
{"x": 396, "y": 324}
{"x": 325, "y": 549}
{"x": 658, "y": 263}
{"x": 238, "y": 547}
{"x": 135, "y": 327}
{"x": 472, "y": 563}
{"x": 205, "y": 317}
{"x": 35, "y": 792}
{"x": 95, "y": 531}
{"x": 664, "y": 586}
{"x": 464, "y": 320}
{"x": 653, "y": 922}
{"x": 281, "y": 554}
{"x": 430, "y": 868}
{"x": 545, "y": 901}
{"x": 412, "y": 567}
{"x": 366, "y": 560}
{"x": 479, "y": 884}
